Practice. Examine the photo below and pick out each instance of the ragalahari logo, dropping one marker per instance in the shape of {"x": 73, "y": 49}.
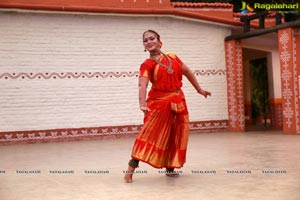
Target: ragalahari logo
{"x": 246, "y": 8}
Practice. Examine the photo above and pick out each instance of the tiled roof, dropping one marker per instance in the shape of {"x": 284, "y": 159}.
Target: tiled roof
{"x": 145, "y": 7}
{"x": 201, "y": 5}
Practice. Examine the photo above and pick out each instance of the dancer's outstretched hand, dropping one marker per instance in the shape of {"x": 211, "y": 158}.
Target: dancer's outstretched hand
{"x": 204, "y": 93}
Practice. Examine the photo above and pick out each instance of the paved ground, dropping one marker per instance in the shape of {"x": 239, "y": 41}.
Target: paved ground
{"x": 261, "y": 165}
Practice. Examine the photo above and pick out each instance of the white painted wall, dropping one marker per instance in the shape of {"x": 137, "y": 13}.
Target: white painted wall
{"x": 71, "y": 44}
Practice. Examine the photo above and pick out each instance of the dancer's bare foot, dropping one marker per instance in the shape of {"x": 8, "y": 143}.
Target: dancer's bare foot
{"x": 129, "y": 174}
{"x": 171, "y": 173}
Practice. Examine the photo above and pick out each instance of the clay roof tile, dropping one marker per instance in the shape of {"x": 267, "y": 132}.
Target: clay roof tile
{"x": 201, "y": 5}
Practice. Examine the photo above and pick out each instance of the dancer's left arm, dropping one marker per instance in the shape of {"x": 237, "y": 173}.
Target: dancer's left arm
{"x": 187, "y": 72}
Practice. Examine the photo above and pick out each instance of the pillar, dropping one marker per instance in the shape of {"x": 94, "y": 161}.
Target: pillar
{"x": 289, "y": 55}
{"x": 235, "y": 93}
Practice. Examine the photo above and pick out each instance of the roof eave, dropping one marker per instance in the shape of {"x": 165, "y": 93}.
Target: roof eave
{"x": 143, "y": 11}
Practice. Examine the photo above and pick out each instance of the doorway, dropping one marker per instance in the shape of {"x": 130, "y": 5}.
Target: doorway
{"x": 260, "y": 107}
{"x": 257, "y": 89}
{"x": 283, "y": 44}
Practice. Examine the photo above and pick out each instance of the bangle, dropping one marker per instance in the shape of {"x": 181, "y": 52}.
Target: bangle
{"x": 199, "y": 90}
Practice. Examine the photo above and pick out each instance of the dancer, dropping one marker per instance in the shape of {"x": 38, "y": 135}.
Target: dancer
{"x": 162, "y": 141}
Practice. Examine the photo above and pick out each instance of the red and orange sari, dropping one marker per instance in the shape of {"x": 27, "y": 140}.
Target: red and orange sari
{"x": 162, "y": 141}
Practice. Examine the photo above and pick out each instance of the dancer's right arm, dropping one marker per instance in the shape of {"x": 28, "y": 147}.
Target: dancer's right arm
{"x": 143, "y": 83}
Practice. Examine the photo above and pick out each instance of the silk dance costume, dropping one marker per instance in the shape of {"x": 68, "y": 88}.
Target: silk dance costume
{"x": 163, "y": 138}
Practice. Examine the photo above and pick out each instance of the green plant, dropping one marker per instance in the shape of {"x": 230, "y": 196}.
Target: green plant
{"x": 259, "y": 88}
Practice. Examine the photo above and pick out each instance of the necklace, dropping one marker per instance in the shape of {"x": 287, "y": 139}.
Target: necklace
{"x": 155, "y": 54}
{"x": 168, "y": 67}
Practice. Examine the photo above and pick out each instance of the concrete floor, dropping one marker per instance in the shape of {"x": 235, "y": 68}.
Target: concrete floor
{"x": 261, "y": 165}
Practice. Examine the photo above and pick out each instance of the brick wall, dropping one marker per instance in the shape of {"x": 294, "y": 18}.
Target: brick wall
{"x": 62, "y": 71}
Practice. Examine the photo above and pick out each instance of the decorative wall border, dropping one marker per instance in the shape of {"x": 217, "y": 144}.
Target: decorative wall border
{"x": 209, "y": 72}
{"x": 67, "y": 75}
{"x": 90, "y": 75}
{"x": 75, "y": 134}
{"x": 208, "y": 126}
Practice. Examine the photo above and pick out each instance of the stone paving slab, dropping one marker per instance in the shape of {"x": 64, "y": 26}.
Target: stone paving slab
{"x": 261, "y": 165}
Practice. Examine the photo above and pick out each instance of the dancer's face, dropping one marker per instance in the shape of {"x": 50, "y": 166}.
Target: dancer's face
{"x": 151, "y": 43}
